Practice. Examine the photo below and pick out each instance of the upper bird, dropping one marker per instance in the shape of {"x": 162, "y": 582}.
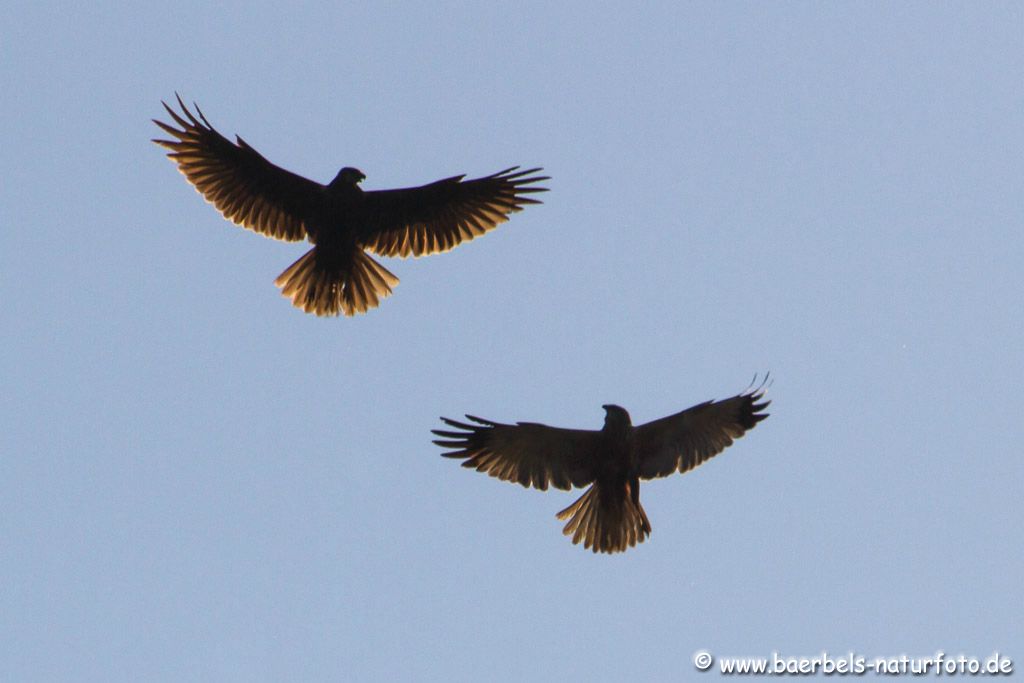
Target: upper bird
{"x": 340, "y": 219}
{"x": 608, "y": 518}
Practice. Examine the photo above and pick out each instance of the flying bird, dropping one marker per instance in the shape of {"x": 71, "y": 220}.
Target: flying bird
{"x": 608, "y": 517}
{"x": 340, "y": 219}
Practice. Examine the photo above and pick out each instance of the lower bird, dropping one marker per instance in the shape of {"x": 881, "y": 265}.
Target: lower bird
{"x": 608, "y": 517}
{"x": 340, "y": 219}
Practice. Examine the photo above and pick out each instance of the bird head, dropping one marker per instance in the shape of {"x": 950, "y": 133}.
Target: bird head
{"x": 348, "y": 176}
{"x": 616, "y": 416}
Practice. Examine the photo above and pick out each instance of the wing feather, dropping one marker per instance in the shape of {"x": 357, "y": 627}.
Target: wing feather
{"x": 240, "y": 183}
{"x": 527, "y": 453}
{"x": 680, "y": 442}
{"x": 434, "y": 218}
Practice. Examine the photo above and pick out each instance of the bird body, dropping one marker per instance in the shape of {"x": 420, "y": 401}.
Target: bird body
{"x": 336, "y": 275}
{"x": 341, "y": 220}
{"x": 608, "y": 517}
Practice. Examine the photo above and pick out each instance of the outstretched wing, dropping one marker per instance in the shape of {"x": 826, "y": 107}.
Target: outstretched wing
{"x": 434, "y": 218}
{"x": 528, "y": 453}
{"x": 680, "y": 442}
{"x": 245, "y": 187}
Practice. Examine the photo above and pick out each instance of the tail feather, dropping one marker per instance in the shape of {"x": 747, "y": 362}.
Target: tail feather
{"x": 327, "y": 288}
{"x": 605, "y": 522}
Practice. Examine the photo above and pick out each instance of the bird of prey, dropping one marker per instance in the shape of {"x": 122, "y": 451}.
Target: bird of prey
{"x": 340, "y": 219}
{"x": 608, "y": 518}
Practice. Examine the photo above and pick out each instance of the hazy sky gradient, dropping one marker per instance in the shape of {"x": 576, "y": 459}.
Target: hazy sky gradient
{"x": 199, "y": 482}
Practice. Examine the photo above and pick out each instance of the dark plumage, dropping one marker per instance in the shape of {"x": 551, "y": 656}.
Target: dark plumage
{"x": 608, "y": 518}
{"x": 342, "y": 220}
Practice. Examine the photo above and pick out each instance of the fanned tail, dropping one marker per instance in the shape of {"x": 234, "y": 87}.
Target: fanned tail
{"x": 605, "y": 522}
{"x": 317, "y": 285}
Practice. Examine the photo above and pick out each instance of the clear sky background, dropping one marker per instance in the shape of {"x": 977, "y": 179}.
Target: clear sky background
{"x": 200, "y": 482}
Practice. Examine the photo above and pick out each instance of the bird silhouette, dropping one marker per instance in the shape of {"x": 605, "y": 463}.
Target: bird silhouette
{"x": 608, "y": 517}
{"x": 340, "y": 219}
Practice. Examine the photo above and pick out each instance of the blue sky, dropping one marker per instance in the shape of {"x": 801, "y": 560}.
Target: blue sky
{"x": 199, "y": 482}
